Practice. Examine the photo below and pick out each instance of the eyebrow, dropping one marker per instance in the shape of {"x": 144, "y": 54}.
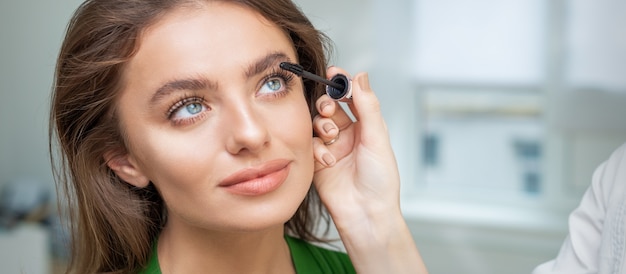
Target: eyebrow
{"x": 200, "y": 83}
{"x": 182, "y": 84}
{"x": 266, "y": 62}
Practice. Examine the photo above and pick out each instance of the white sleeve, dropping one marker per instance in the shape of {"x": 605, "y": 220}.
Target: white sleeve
{"x": 579, "y": 252}
{"x": 583, "y": 247}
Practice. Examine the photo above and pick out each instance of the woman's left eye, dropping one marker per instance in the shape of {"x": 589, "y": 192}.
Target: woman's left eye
{"x": 273, "y": 85}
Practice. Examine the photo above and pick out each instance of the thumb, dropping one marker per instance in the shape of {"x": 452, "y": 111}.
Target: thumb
{"x": 368, "y": 107}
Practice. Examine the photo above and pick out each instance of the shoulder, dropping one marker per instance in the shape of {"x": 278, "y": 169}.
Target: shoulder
{"x": 612, "y": 173}
{"x": 309, "y": 258}
{"x": 618, "y": 158}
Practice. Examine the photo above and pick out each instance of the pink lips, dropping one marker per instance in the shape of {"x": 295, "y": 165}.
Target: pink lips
{"x": 257, "y": 180}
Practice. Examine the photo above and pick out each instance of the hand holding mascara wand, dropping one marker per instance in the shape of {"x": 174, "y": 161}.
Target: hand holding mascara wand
{"x": 339, "y": 87}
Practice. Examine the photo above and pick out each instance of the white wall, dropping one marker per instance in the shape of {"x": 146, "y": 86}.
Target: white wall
{"x": 25, "y": 250}
{"x": 464, "y": 248}
{"x": 375, "y": 36}
{"x": 31, "y": 34}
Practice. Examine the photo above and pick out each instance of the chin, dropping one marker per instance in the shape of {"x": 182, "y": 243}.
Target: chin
{"x": 260, "y": 223}
{"x": 256, "y": 216}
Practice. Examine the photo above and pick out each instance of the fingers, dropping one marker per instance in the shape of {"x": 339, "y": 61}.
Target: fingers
{"x": 325, "y": 128}
{"x": 365, "y": 107}
{"x": 323, "y": 157}
{"x": 326, "y": 124}
{"x": 332, "y": 118}
{"x": 336, "y": 131}
{"x": 329, "y": 108}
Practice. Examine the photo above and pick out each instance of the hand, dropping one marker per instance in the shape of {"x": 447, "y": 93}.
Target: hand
{"x": 357, "y": 178}
{"x": 357, "y": 175}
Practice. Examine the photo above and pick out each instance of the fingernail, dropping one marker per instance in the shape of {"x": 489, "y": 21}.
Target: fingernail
{"x": 324, "y": 105}
{"x": 328, "y": 128}
{"x": 328, "y": 159}
{"x": 364, "y": 82}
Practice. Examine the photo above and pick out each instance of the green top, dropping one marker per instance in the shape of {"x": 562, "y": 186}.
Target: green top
{"x": 306, "y": 257}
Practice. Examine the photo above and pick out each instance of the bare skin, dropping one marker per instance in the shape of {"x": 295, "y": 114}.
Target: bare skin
{"x": 226, "y": 139}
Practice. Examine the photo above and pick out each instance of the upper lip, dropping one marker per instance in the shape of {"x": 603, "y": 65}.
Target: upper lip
{"x": 254, "y": 172}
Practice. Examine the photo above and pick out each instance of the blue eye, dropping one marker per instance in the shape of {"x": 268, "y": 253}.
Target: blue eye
{"x": 273, "y": 85}
{"x": 194, "y": 108}
{"x": 187, "y": 110}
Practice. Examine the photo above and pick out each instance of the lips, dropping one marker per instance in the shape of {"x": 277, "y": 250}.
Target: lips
{"x": 258, "y": 180}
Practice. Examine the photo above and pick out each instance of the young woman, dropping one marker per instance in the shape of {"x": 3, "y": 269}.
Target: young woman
{"x": 186, "y": 149}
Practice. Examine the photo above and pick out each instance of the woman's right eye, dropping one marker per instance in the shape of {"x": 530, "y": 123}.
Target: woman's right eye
{"x": 187, "y": 111}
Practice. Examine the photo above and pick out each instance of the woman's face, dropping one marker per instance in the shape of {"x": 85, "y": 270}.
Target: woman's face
{"x": 212, "y": 121}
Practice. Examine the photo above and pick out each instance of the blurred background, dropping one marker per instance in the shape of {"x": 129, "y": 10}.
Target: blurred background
{"x": 499, "y": 111}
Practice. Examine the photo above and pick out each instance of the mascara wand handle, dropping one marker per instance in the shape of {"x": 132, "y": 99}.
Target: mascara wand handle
{"x": 298, "y": 70}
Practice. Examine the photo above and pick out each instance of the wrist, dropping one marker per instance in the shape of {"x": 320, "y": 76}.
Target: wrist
{"x": 382, "y": 244}
{"x": 361, "y": 228}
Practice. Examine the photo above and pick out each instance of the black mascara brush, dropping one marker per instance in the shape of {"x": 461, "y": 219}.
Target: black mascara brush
{"x": 338, "y": 87}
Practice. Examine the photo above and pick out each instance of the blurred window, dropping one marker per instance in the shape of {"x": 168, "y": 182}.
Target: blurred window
{"x": 500, "y": 86}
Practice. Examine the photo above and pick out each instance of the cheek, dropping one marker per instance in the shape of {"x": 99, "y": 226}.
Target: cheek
{"x": 295, "y": 132}
{"x": 301, "y": 133}
{"x": 297, "y": 128}
{"x": 169, "y": 156}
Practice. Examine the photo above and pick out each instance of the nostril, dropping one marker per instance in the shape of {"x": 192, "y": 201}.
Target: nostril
{"x": 247, "y": 135}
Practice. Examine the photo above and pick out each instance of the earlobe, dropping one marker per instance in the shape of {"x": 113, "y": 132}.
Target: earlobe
{"x": 125, "y": 168}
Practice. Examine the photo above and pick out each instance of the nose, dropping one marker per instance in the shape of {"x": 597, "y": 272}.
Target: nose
{"x": 247, "y": 131}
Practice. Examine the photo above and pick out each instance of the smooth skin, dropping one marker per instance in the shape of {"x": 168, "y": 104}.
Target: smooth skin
{"x": 203, "y": 99}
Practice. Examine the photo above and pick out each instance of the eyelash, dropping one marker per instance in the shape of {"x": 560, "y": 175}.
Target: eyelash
{"x": 286, "y": 77}
{"x": 181, "y": 103}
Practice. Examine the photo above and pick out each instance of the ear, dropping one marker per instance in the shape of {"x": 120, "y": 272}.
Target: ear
{"x": 125, "y": 168}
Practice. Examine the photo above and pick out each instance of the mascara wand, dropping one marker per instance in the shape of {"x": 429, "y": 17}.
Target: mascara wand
{"x": 338, "y": 87}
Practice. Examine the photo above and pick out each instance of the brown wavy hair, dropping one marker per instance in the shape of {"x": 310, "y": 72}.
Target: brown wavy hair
{"x": 113, "y": 224}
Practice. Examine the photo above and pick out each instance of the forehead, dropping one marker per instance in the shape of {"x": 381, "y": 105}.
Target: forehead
{"x": 212, "y": 35}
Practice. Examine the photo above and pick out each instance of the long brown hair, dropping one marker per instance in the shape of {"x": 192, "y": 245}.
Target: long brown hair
{"x": 114, "y": 224}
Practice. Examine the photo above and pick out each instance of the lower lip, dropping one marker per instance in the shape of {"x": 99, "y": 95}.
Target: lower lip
{"x": 261, "y": 185}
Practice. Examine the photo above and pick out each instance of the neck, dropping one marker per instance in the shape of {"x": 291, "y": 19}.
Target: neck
{"x": 184, "y": 249}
